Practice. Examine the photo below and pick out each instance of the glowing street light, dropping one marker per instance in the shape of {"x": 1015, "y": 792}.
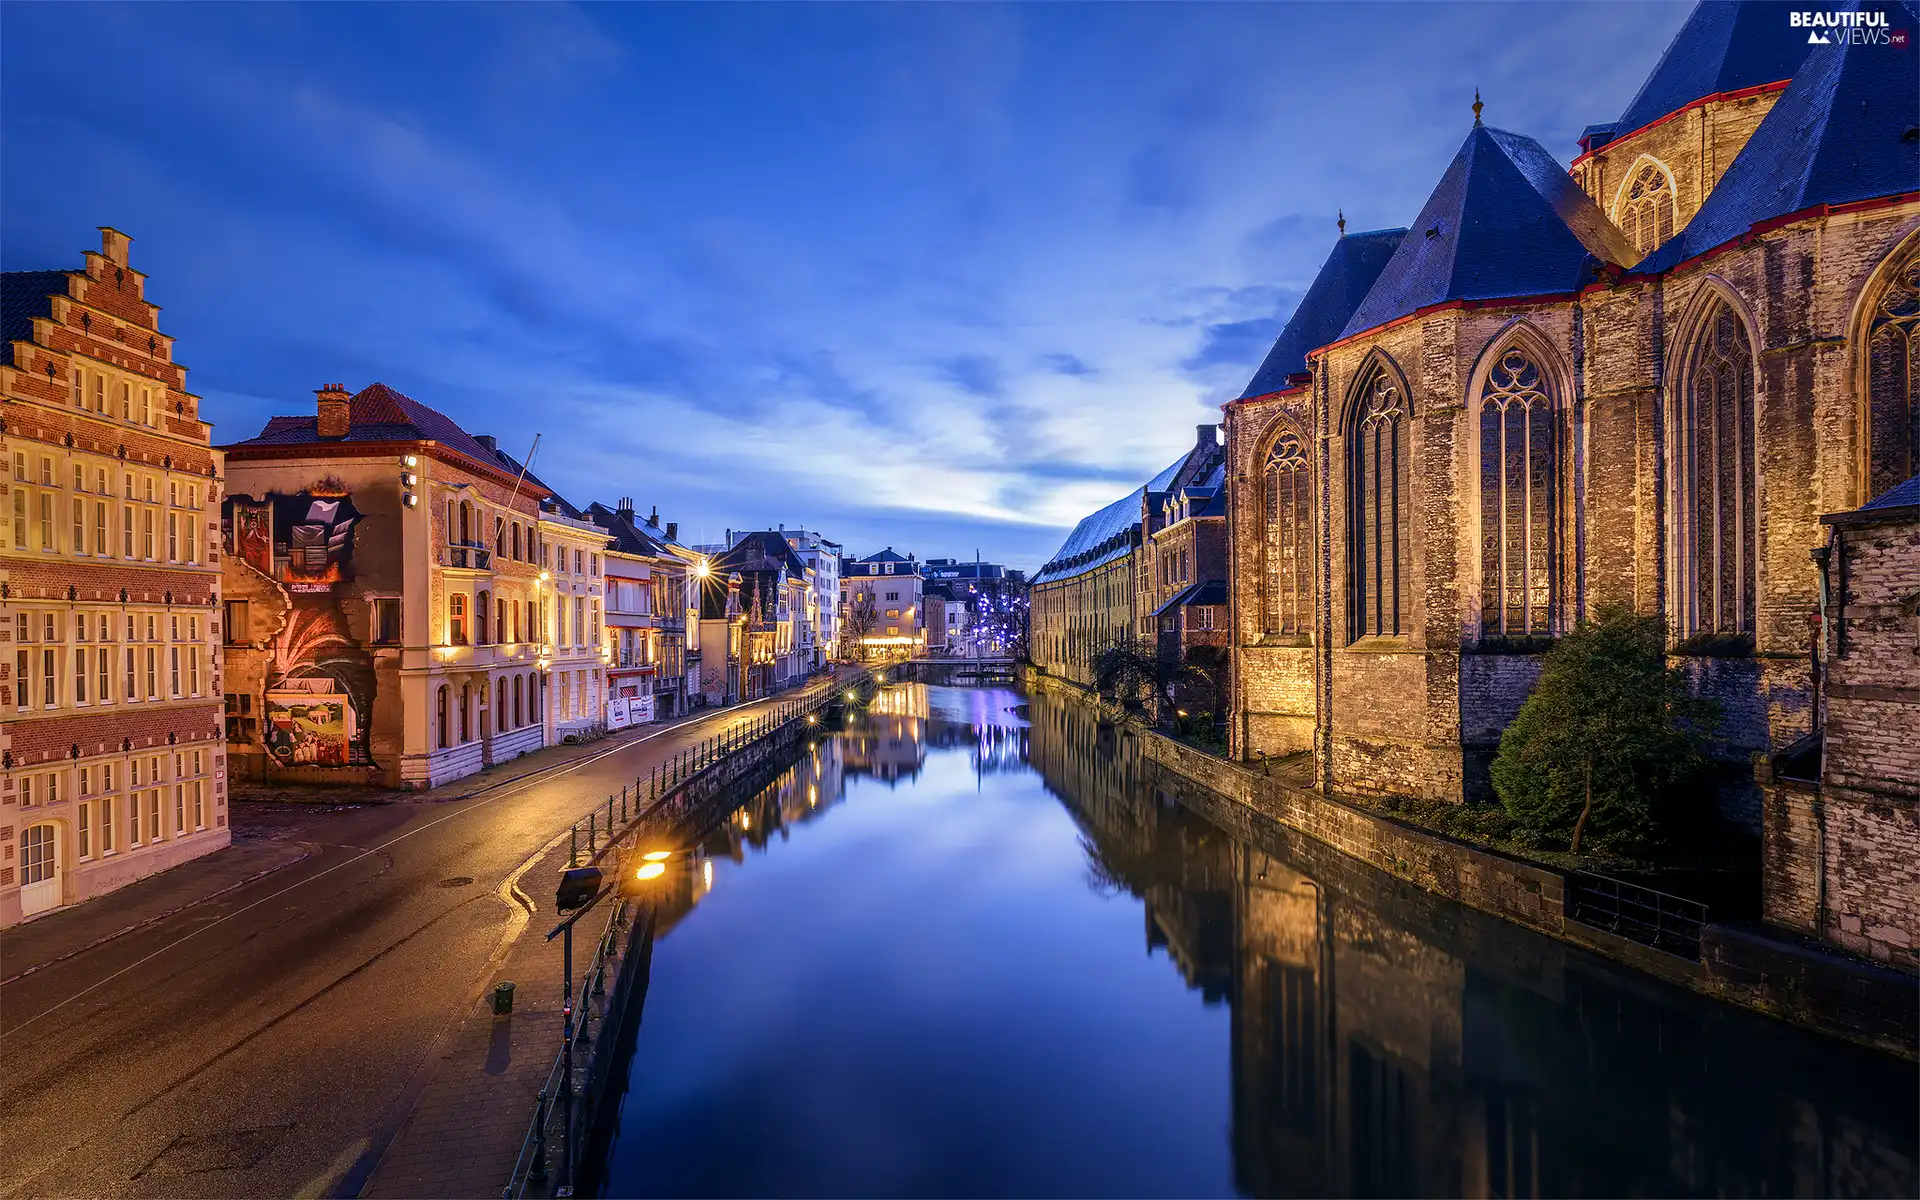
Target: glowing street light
{"x": 652, "y": 870}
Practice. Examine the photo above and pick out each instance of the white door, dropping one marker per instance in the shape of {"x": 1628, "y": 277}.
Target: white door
{"x": 39, "y": 870}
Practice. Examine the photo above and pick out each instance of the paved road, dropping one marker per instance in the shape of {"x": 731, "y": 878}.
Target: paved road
{"x": 264, "y": 1042}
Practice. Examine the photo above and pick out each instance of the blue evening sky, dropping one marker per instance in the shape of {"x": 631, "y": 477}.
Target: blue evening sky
{"x": 944, "y": 277}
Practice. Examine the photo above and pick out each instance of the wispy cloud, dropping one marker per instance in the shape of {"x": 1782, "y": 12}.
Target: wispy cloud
{"x": 951, "y": 273}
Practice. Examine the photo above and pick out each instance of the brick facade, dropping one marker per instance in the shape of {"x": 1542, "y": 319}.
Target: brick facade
{"x": 109, "y": 593}
{"x": 1419, "y": 710}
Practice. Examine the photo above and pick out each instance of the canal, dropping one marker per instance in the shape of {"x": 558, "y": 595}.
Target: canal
{"x": 967, "y": 947}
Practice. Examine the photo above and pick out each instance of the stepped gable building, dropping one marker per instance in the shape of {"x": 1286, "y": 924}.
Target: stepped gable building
{"x": 112, "y": 765}
{"x": 1640, "y": 380}
{"x": 386, "y": 613}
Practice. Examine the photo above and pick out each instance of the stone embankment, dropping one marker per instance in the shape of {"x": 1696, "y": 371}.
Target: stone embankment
{"x": 1741, "y": 964}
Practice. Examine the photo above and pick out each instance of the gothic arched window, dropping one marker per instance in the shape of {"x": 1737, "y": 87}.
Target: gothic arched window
{"x": 1517, "y": 502}
{"x": 1717, "y": 469}
{"x": 1645, "y": 211}
{"x": 1893, "y": 380}
{"x": 1378, "y": 512}
{"x": 1288, "y": 482}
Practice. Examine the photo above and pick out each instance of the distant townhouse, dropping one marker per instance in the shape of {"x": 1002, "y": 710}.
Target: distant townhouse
{"x": 386, "y": 620}
{"x": 646, "y": 618}
{"x": 775, "y": 591}
{"x": 821, "y": 557}
{"x": 880, "y": 605}
{"x": 1182, "y": 564}
{"x": 112, "y": 764}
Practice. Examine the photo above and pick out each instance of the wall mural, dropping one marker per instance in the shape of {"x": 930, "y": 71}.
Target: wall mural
{"x": 320, "y": 684}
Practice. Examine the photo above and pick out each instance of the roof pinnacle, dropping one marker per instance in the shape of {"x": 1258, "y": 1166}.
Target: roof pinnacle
{"x": 1477, "y": 106}
{"x": 1342, "y": 222}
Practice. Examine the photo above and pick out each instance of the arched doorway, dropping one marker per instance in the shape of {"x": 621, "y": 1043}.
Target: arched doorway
{"x": 39, "y": 869}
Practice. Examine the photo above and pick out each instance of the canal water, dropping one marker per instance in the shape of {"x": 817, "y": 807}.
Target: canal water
{"x": 968, "y": 947}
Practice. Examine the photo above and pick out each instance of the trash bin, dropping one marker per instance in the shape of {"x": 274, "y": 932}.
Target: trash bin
{"x": 502, "y": 998}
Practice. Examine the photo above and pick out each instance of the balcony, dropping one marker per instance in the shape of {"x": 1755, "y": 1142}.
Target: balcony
{"x": 469, "y": 556}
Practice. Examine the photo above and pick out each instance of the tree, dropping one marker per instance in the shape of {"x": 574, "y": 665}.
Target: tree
{"x": 1128, "y": 674}
{"x": 1611, "y": 741}
{"x": 857, "y": 624}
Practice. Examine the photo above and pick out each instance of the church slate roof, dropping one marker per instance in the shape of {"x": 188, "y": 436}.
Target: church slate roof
{"x": 1722, "y": 47}
{"x": 25, "y": 295}
{"x": 1343, "y": 281}
{"x": 1505, "y": 221}
{"x": 1839, "y": 133}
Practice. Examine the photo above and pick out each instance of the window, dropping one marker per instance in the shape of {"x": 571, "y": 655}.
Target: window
{"x": 103, "y": 673}
{"x": 236, "y": 623}
{"x": 86, "y": 831}
{"x": 579, "y": 567}
{"x": 46, "y": 522}
{"x": 19, "y": 518}
{"x": 482, "y": 611}
{"x": 1288, "y": 483}
{"x": 457, "y": 619}
{"x": 1716, "y": 479}
{"x": 516, "y": 541}
{"x": 441, "y": 730}
{"x": 1202, "y": 616}
{"x": 466, "y": 708}
{"x": 79, "y": 389}
{"x": 106, "y": 825}
{"x": 386, "y": 622}
{"x": 579, "y": 620}
{"x": 500, "y": 620}
{"x": 153, "y": 672}
{"x": 155, "y": 832}
{"x": 132, "y": 692}
{"x": 1645, "y": 210}
{"x": 1517, "y": 499}
{"x": 127, "y": 524}
{"x": 133, "y": 820}
{"x": 518, "y": 718}
{"x": 1893, "y": 379}
{"x": 80, "y": 676}
{"x": 49, "y": 683}
{"x": 100, "y": 527}
{"x": 173, "y": 671}
{"x": 146, "y": 534}
{"x": 173, "y": 537}
{"x": 1379, "y": 509}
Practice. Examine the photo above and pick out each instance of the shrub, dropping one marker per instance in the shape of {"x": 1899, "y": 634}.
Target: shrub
{"x": 1610, "y": 743}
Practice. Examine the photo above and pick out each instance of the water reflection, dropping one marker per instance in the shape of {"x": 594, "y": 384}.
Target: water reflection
{"x": 932, "y": 994}
{"x": 1386, "y": 1043}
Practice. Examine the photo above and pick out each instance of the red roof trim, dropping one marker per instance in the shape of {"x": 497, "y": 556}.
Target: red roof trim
{"x": 1768, "y": 226}
{"x": 1445, "y": 305}
{"x": 242, "y": 452}
{"x": 1736, "y": 94}
{"x": 1287, "y": 391}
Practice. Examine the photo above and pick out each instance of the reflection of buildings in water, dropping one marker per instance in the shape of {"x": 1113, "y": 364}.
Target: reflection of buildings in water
{"x": 800, "y": 793}
{"x": 1387, "y": 1043}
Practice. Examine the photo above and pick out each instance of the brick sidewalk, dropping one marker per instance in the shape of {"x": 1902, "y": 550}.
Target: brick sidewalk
{"x": 465, "y": 1131}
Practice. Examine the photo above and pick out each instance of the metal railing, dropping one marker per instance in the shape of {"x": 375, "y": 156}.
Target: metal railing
{"x": 608, "y": 830}
{"x": 1658, "y": 919}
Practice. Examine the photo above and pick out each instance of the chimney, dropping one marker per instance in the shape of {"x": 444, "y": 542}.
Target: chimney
{"x": 673, "y": 531}
{"x": 113, "y": 245}
{"x": 626, "y": 507}
{"x": 1206, "y": 436}
{"x": 336, "y": 416}
{"x": 487, "y": 440}
{"x": 653, "y": 518}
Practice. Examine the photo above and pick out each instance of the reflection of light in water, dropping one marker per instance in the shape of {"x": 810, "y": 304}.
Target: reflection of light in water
{"x": 813, "y": 795}
{"x": 746, "y": 822}
{"x": 706, "y": 873}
